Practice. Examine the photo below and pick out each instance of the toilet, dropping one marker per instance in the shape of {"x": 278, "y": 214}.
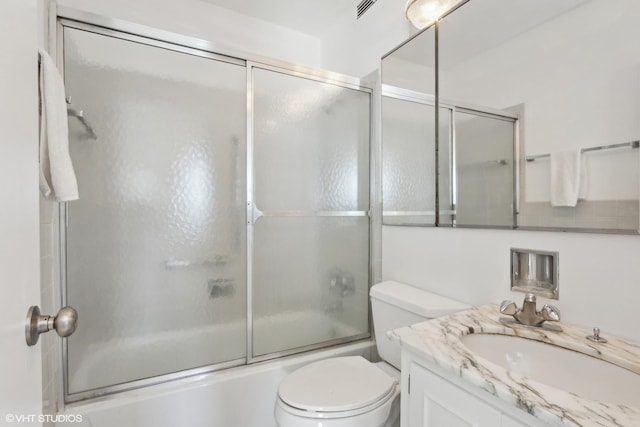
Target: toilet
{"x": 351, "y": 391}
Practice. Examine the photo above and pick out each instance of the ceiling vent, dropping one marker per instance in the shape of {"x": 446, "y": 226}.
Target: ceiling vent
{"x": 363, "y": 6}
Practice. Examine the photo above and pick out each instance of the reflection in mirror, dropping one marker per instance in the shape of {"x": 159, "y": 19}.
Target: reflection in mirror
{"x": 411, "y": 66}
{"x": 408, "y": 133}
{"x": 408, "y": 169}
{"x": 571, "y": 69}
{"x": 484, "y": 147}
{"x": 565, "y": 77}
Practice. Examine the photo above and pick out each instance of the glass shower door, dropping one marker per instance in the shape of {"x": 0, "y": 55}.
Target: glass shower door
{"x": 310, "y": 213}
{"x": 156, "y": 245}
{"x": 408, "y": 169}
{"x": 484, "y": 151}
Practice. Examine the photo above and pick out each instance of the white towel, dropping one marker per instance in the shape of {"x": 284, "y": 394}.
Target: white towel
{"x": 57, "y": 178}
{"x": 568, "y": 178}
{"x": 584, "y": 178}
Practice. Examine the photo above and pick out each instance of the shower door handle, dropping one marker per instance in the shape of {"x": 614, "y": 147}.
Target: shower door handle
{"x": 64, "y": 323}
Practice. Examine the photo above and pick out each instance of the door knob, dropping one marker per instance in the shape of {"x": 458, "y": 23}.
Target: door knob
{"x": 64, "y": 323}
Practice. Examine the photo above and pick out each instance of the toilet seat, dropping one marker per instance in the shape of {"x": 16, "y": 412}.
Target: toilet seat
{"x": 335, "y": 388}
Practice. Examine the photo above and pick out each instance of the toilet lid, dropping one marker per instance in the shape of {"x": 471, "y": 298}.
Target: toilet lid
{"x": 335, "y": 385}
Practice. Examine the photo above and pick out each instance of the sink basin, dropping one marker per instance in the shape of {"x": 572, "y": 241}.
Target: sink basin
{"x": 565, "y": 369}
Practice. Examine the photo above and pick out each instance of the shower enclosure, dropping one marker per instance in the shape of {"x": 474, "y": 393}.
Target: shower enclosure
{"x": 223, "y": 215}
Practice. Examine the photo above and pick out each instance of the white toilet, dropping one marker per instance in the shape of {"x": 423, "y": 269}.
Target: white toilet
{"x": 351, "y": 391}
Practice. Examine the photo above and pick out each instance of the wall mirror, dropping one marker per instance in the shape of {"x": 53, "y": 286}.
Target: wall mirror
{"x": 534, "y": 123}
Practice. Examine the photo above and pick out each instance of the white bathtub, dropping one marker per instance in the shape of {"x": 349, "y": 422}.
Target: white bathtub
{"x": 127, "y": 359}
{"x": 237, "y": 397}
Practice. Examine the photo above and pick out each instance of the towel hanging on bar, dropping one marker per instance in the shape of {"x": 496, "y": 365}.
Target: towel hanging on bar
{"x": 568, "y": 179}
{"x": 57, "y": 177}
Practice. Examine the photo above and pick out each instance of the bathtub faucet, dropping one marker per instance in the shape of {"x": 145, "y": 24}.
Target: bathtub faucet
{"x": 529, "y": 315}
{"x": 342, "y": 283}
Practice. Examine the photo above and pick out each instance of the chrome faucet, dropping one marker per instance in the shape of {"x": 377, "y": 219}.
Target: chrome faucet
{"x": 529, "y": 315}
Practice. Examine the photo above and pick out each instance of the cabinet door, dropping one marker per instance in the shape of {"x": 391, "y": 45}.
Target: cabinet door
{"x": 435, "y": 402}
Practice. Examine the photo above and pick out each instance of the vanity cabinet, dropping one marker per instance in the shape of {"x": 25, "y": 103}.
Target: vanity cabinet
{"x": 463, "y": 370}
{"x": 430, "y": 400}
{"x": 434, "y": 401}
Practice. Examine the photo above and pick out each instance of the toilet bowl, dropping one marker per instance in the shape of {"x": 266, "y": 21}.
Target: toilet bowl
{"x": 351, "y": 391}
{"x": 338, "y": 392}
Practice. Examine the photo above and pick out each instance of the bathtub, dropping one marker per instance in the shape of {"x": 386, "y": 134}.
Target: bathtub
{"x": 126, "y": 359}
{"x": 242, "y": 396}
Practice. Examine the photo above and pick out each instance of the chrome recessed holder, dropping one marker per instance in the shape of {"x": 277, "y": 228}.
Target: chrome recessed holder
{"x": 64, "y": 323}
{"x": 535, "y": 272}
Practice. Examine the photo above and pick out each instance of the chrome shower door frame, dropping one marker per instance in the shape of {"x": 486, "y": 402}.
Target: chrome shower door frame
{"x": 62, "y": 17}
{"x": 453, "y": 108}
{"x": 494, "y": 114}
{"x": 394, "y": 92}
{"x": 253, "y": 213}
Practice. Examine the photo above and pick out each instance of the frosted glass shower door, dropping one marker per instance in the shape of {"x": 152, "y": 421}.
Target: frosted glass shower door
{"x": 408, "y": 167}
{"x": 310, "y": 218}
{"x": 485, "y": 170}
{"x": 156, "y": 245}
{"x": 409, "y": 160}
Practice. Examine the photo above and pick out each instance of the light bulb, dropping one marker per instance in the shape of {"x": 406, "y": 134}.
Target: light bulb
{"x": 422, "y": 13}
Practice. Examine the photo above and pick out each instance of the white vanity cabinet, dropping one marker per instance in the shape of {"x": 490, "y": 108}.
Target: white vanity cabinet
{"x": 432, "y": 400}
{"x": 448, "y": 382}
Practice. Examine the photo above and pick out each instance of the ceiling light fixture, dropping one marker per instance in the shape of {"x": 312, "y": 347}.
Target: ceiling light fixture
{"x": 422, "y": 13}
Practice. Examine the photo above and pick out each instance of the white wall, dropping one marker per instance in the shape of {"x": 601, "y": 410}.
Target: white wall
{"x": 354, "y": 46}
{"x": 228, "y": 30}
{"x": 599, "y": 274}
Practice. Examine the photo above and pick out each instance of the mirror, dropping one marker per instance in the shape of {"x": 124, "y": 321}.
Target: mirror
{"x": 408, "y": 133}
{"x": 538, "y": 118}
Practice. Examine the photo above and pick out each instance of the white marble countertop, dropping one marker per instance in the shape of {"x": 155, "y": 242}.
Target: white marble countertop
{"x": 438, "y": 342}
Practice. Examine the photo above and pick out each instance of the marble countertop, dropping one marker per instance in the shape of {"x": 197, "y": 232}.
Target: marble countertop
{"x": 439, "y": 342}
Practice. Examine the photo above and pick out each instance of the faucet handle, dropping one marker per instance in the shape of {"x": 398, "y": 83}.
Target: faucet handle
{"x": 508, "y": 307}
{"x": 550, "y": 313}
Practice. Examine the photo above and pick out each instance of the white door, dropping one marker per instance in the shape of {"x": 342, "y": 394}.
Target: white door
{"x": 20, "y": 366}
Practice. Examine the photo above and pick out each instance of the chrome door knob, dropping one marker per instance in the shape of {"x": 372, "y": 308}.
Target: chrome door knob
{"x": 65, "y": 323}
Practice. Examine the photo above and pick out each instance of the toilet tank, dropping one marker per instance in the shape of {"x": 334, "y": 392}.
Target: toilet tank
{"x": 396, "y": 305}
